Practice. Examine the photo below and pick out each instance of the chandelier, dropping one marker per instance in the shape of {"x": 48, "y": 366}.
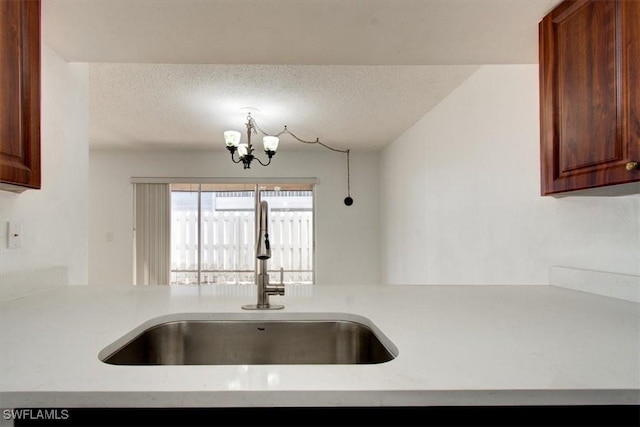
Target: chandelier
{"x": 245, "y": 150}
{"x": 270, "y": 142}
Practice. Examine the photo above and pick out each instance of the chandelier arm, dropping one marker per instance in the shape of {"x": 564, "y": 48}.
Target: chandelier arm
{"x": 234, "y": 160}
{"x": 263, "y": 164}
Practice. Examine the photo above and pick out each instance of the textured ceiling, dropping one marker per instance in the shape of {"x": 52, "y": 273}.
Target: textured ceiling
{"x": 171, "y": 106}
{"x": 355, "y": 73}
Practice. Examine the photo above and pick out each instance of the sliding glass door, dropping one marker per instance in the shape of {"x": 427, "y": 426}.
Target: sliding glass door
{"x": 213, "y": 233}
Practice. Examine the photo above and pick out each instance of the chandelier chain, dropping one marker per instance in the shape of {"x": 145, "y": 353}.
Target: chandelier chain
{"x": 286, "y": 130}
{"x": 253, "y": 128}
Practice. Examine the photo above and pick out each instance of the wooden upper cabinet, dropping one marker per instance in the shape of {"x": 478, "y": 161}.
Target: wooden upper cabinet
{"x": 590, "y": 95}
{"x": 19, "y": 95}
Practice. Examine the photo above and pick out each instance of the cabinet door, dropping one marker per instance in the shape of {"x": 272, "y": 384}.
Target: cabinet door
{"x": 589, "y": 65}
{"x": 20, "y": 99}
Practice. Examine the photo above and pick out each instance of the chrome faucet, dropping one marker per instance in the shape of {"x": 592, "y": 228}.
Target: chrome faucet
{"x": 263, "y": 253}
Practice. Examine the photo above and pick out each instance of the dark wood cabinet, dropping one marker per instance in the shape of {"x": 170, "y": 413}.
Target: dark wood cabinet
{"x": 590, "y": 95}
{"x": 20, "y": 95}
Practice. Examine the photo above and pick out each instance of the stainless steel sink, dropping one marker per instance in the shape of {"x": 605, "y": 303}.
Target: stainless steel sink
{"x": 246, "y": 339}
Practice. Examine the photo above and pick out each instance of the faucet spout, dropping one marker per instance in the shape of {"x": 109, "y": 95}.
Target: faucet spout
{"x": 263, "y": 253}
{"x": 263, "y": 248}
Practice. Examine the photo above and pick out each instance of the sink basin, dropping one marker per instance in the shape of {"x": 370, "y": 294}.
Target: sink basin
{"x": 252, "y": 339}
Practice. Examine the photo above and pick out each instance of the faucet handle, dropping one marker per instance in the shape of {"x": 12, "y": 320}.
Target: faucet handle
{"x": 277, "y": 289}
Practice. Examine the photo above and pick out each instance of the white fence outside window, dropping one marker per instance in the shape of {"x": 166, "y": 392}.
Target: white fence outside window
{"x": 228, "y": 247}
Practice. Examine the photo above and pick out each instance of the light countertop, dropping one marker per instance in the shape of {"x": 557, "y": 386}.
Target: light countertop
{"x": 458, "y": 345}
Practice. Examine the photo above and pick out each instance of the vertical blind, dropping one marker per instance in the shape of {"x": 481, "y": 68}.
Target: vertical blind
{"x": 152, "y": 234}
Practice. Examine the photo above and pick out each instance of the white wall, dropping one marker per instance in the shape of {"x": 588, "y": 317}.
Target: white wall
{"x": 347, "y": 238}
{"x": 461, "y": 200}
{"x": 55, "y": 219}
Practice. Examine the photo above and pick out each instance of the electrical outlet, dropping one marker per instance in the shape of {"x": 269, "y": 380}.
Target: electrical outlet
{"x": 14, "y": 235}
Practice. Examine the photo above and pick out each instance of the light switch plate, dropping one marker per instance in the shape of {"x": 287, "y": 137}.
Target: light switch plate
{"x": 14, "y": 234}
